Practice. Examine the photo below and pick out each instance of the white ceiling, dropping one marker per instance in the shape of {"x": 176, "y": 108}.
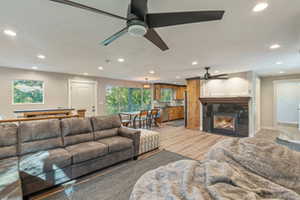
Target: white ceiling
{"x": 70, "y": 38}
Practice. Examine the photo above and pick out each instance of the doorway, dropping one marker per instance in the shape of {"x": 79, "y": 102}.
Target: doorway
{"x": 83, "y": 95}
{"x": 286, "y": 102}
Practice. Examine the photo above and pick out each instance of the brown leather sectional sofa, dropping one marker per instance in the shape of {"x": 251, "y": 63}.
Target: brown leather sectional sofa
{"x": 41, "y": 154}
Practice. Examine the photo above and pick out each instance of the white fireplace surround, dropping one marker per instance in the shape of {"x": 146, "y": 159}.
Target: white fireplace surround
{"x": 245, "y": 84}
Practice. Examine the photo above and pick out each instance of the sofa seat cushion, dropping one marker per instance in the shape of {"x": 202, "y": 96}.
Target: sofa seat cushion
{"x": 44, "y": 161}
{"x": 117, "y": 143}
{"x": 86, "y": 151}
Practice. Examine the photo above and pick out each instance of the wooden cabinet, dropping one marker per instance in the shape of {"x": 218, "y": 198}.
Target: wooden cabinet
{"x": 180, "y": 93}
{"x": 178, "y": 90}
{"x": 176, "y": 112}
{"x": 157, "y": 92}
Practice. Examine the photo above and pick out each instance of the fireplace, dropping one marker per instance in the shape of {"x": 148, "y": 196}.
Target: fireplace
{"x": 224, "y": 122}
{"x": 227, "y": 116}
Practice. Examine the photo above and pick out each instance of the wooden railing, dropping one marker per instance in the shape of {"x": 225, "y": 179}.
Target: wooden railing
{"x": 45, "y": 116}
{"x": 20, "y": 120}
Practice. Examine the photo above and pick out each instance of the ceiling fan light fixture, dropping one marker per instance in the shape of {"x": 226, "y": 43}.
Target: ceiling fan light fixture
{"x": 138, "y": 29}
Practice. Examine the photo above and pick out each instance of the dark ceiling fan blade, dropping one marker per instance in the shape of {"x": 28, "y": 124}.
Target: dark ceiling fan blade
{"x": 153, "y": 37}
{"x": 115, "y": 36}
{"x": 218, "y": 78}
{"x": 139, "y": 8}
{"x": 219, "y": 75}
{"x": 156, "y": 20}
{"x": 78, "y": 5}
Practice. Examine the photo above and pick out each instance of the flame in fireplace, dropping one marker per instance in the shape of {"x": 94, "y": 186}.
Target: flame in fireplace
{"x": 224, "y": 122}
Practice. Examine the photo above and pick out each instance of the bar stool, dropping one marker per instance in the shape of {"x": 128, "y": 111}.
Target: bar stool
{"x": 125, "y": 119}
{"x": 153, "y": 118}
{"x": 141, "y": 119}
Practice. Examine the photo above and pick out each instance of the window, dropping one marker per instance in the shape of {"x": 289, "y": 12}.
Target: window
{"x": 120, "y": 99}
{"x": 147, "y": 97}
{"x": 166, "y": 95}
{"x": 28, "y": 92}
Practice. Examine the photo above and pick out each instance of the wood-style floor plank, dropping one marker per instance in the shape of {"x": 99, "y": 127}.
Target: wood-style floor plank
{"x": 190, "y": 143}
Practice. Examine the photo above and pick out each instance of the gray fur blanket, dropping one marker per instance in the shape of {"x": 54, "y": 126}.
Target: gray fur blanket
{"x": 237, "y": 169}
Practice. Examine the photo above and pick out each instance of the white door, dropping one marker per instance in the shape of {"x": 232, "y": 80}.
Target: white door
{"x": 287, "y": 98}
{"x": 83, "y": 95}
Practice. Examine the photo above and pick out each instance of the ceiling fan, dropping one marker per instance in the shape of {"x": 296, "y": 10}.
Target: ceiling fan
{"x": 141, "y": 23}
{"x": 208, "y": 76}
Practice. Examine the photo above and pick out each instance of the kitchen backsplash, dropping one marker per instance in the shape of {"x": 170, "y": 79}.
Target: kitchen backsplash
{"x": 165, "y": 104}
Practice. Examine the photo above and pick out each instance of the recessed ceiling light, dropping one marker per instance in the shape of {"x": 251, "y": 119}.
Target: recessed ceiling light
{"x": 260, "y": 7}
{"x": 279, "y": 63}
{"x": 100, "y": 68}
{"x": 275, "y": 46}
{"x": 9, "y": 32}
{"x": 195, "y": 63}
{"x": 281, "y": 72}
{"x": 177, "y": 77}
{"x": 152, "y": 72}
{"x": 121, "y": 60}
{"x": 34, "y": 67}
{"x": 85, "y": 74}
{"x": 40, "y": 56}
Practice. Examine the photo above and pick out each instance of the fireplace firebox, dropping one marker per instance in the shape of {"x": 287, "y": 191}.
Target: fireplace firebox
{"x": 226, "y": 116}
{"x": 225, "y": 122}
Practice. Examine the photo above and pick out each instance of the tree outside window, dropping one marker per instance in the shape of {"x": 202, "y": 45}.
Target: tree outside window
{"x": 166, "y": 95}
{"x": 120, "y": 99}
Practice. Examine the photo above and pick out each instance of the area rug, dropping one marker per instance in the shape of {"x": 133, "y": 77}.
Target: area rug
{"x": 116, "y": 184}
{"x": 176, "y": 123}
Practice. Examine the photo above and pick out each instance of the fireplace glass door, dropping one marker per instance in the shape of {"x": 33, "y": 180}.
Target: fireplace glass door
{"x": 224, "y": 122}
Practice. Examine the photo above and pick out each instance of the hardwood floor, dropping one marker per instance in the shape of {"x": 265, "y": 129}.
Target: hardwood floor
{"x": 190, "y": 143}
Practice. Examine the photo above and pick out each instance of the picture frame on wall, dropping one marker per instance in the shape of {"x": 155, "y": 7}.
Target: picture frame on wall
{"x": 28, "y": 92}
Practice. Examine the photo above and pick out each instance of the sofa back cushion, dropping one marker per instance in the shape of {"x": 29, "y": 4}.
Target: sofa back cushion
{"x": 76, "y": 130}
{"x": 106, "y": 126}
{"x": 8, "y": 140}
{"x": 39, "y": 136}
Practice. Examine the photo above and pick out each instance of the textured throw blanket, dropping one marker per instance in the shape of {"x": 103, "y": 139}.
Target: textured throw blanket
{"x": 235, "y": 169}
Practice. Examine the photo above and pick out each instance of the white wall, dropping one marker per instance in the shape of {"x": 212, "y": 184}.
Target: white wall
{"x": 56, "y": 89}
{"x": 238, "y": 84}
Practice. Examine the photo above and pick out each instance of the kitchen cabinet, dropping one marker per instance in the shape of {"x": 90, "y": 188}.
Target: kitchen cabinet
{"x": 157, "y": 92}
{"x": 180, "y": 93}
{"x": 175, "y": 112}
{"x": 178, "y": 90}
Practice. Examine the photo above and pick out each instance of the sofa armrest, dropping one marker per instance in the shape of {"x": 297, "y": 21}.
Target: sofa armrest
{"x": 132, "y": 134}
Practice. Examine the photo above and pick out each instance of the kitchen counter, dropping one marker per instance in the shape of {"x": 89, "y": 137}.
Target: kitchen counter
{"x": 164, "y": 107}
{"x": 169, "y": 113}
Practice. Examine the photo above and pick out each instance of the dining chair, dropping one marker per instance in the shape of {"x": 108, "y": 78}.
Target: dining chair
{"x": 141, "y": 119}
{"x": 153, "y": 118}
{"x": 125, "y": 119}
